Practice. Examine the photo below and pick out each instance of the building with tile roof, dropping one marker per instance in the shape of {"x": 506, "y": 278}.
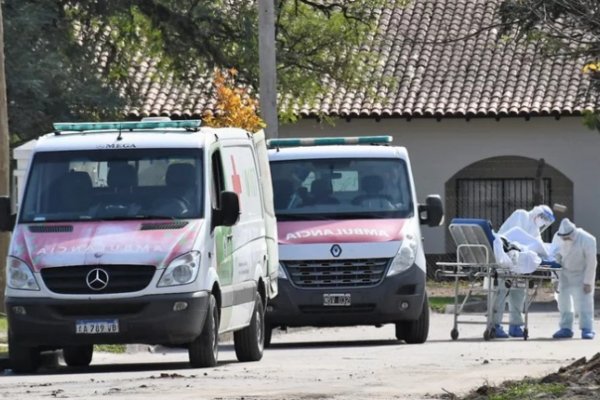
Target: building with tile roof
{"x": 477, "y": 113}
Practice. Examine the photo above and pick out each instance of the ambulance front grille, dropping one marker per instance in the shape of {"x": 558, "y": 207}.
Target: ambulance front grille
{"x": 74, "y": 279}
{"x": 336, "y": 273}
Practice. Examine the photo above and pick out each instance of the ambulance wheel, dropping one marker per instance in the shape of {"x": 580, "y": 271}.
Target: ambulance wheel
{"x": 525, "y": 334}
{"x": 268, "y": 335}
{"x": 415, "y": 332}
{"x": 249, "y": 342}
{"x": 454, "y": 334}
{"x": 23, "y": 360}
{"x": 78, "y": 356}
{"x": 204, "y": 350}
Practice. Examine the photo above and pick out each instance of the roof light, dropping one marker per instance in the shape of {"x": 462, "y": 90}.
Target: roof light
{"x": 328, "y": 141}
{"x": 125, "y": 125}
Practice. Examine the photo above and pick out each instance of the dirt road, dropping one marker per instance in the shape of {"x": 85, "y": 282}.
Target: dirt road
{"x": 344, "y": 363}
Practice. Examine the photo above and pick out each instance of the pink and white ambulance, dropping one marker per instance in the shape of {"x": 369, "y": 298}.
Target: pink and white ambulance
{"x": 350, "y": 245}
{"x": 157, "y": 232}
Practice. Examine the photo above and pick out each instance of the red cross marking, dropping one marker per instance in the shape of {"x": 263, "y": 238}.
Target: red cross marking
{"x": 235, "y": 178}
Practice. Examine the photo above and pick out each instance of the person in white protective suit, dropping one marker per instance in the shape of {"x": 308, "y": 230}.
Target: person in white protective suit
{"x": 532, "y": 223}
{"x": 576, "y": 252}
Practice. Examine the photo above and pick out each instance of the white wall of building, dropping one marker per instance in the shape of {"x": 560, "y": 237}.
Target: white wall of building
{"x": 438, "y": 150}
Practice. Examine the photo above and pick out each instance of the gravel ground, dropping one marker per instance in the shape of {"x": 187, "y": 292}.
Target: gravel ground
{"x": 577, "y": 381}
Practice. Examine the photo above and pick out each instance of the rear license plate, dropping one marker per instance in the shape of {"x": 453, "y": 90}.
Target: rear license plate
{"x": 97, "y": 327}
{"x": 337, "y": 299}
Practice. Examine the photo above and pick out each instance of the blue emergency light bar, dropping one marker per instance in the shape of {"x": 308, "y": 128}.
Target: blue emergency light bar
{"x": 328, "y": 141}
{"x": 125, "y": 125}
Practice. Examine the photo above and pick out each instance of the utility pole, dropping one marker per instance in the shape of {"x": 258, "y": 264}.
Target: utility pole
{"x": 4, "y": 160}
{"x": 267, "y": 66}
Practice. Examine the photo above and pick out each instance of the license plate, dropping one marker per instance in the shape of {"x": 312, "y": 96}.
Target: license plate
{"x": 336, "y": 299}
{"x": 97, "y": 327}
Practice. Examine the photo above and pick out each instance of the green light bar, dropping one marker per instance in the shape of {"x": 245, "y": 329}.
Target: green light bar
{"x": 328, "y": 141}
{"x": 125, "y": 125}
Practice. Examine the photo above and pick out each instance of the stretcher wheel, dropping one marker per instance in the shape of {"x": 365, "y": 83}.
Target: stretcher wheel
{"x": 525, "y": 333}
{"x": 454, "y": 334}
{"x": 487, "y": 334}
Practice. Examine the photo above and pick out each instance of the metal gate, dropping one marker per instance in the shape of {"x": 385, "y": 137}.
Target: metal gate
{"x": 496, "y": 198}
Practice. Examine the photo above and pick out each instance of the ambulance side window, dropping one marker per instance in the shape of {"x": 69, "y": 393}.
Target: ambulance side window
{"x": 217, "y": 179}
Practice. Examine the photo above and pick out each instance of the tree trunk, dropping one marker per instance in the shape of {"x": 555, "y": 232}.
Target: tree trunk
{"x": 4, "y": 160}
{"x": 267, "y": 66}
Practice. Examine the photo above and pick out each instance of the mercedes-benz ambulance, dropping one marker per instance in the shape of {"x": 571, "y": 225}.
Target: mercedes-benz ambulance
{"x": 156, "y": 232}
{"x": 350, "y": 244}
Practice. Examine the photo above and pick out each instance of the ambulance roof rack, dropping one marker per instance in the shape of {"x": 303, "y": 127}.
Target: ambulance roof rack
{"x": 329, "y": 141}
{"x": 145, "y": 124}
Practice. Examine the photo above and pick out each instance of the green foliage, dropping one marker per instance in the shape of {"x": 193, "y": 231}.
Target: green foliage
{"x": 3, "y": 325}
{"x": 50, "y": 77}
{"x": 71, "y": 60}
{"x": 439, "y": 304}
{"x": 560, "y": 27}
{"x": 110, "y": 348}
{"x": 528, "y": 389}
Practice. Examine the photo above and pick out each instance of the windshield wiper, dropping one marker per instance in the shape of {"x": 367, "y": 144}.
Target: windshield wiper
{"x": 302, "y": 217}
{"x": 152, "y": 216}
{"x": 357, "y": 215}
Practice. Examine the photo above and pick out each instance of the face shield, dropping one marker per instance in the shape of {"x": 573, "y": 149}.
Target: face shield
{"x": 543, "y": 220}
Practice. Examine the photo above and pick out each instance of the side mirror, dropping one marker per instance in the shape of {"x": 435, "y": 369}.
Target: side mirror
{"x": 229, "y": 213}
{"x": 432, "y": 212}
{"x": 7, "y": 220}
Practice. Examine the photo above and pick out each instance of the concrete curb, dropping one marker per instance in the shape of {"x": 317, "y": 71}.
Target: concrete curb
{"x": 481, "y": 307}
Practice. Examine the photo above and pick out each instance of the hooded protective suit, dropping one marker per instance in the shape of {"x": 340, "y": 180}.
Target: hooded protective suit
{"x": 533, "y": 223}
{"x": 576, "y": 252}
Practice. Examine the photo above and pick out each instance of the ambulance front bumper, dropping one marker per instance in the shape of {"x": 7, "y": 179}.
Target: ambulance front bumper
{"x": 397, "y": 298}
{"x": 173, "y": 319}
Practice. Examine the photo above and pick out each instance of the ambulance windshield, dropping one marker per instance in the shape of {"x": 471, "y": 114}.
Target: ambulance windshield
{"x": 114, "y": 185}
{"x": 341, "y": 188}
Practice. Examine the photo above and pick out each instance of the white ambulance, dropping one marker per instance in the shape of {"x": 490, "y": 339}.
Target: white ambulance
{"x": 157, "y": 232}
{"x": 350, "y": 244}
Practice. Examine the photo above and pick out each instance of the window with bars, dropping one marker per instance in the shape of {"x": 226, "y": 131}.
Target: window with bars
{"x": 496, "y": 198}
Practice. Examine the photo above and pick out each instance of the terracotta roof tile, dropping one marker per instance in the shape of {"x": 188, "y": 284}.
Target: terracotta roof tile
{"x": 434, "y": 58}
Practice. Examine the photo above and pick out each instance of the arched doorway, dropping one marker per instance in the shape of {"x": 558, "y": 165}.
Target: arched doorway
{"x": 494, "y": 187}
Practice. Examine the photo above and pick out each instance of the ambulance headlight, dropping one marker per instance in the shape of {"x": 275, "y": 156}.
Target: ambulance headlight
{"x": 181, "y": 271}
{"x": 405, "y": 257}
{"x": 281, "y": 272}
{"x": 19, "y": 275}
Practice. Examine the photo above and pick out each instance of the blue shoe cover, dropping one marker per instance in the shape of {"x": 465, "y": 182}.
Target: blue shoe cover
{"x": 500, "y": 334}
{"x": 515, "y": 331}
{"x": 563, "y": 333}
{"x": 587, "y": 334}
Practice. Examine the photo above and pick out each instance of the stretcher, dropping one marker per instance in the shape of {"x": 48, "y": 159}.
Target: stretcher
{"x": 476, "y": 264}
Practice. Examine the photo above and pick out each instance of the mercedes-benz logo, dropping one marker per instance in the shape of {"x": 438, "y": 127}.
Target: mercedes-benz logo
{"x": 97, "y": 279}
{"x": 336, "y": 250}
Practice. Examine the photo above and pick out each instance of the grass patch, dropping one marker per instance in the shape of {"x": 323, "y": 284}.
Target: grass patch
{"x": 3, "y": 324}
{"x": 529, "y": 390}
{"x": 439, "y": 303}
{"x": 110, "y": 348}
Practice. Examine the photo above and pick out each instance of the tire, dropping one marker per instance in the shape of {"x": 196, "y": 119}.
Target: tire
{"x": 204, "y": 350}
{"x": 415, "y": 332}
{"x": 78, "y": 356}
{"x": 249, "y": 342}
{"x": 23, "y": 360}
{"x": 268, "y": 335}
